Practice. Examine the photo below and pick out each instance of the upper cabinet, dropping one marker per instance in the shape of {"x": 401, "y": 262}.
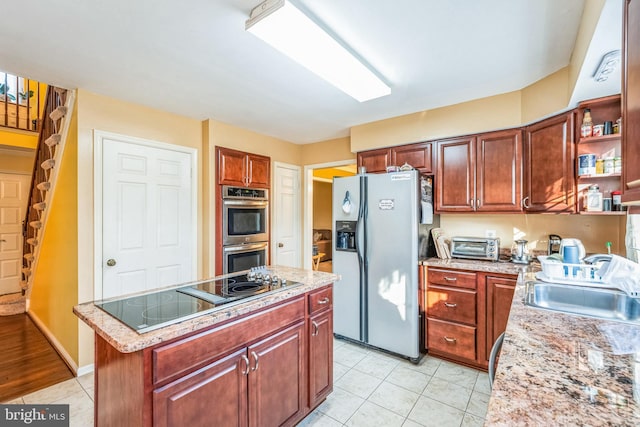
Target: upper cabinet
{"x": 549, "y": 180}
{"x": 631, "y": 103}
{"x": 418, "y": 155}
{"x": 243, "y": 169}
{"x": 480, "y": 173}
{"x": 604, "y": 148}
{"x": 375, "y": 161}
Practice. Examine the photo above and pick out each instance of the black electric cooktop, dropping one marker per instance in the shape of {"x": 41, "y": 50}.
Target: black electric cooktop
{"x": 144, "y": 313}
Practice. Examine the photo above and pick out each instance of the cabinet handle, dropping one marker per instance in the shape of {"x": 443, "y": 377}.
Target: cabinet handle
{"x": 450, "y": 279}
{"x": 316, "y": 329}
{"x": 245, "y": 371}
{"x": 448, "y": 339}
{"x": 478, "y": 203}
{"x": 473, "y": 204}
{"x": 324, "y": 300}
{"x": 450, "y": 304}
{"x": 524, "y": 203}
{"x": 255, "y": 357}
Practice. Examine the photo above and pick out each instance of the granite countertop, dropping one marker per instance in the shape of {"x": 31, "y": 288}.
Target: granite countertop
{"x": 502, "y": 267}
{"x": 559, "y": 369}
{"x": 126, "y": 340}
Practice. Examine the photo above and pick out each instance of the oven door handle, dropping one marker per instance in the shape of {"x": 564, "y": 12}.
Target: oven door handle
{"x": 246, "y": 203}
{"x": 244, "y": 247}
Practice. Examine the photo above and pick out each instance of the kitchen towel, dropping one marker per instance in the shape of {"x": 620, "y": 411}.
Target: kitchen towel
{"x": 622, "y": 274}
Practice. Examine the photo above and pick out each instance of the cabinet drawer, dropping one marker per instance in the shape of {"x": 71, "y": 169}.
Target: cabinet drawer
{"x": 452, "y": 338}
{"x": 457, "y": 305}
{"x": 320, "y": 299}
{"x": 178, "y": 358}
{"x": 460, "y": 279}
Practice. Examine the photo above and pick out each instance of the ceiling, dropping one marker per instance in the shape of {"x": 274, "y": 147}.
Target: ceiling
{"x": 195, "y": 58}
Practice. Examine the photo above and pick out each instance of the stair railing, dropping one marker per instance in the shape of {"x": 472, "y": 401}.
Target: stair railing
{"x": 48, "y": 153}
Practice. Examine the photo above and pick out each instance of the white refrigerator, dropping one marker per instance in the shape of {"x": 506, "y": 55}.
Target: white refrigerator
{"x": 375, "y": 226}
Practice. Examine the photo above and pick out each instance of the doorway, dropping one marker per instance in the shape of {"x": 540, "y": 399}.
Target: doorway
{"x": 318, "y": 207}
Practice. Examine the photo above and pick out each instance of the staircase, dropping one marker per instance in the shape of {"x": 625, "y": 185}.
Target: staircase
{"x": 51, "y": 140}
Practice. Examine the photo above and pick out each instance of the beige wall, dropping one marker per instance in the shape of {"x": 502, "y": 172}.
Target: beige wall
{"x": 594, "y": 231}
{"x": 588, "y": 23}
{"x": 332, "y": 150}
{"x": 546, "y": 96}
{"x": 55, "y": 285}
{"x": 322, "y": 195}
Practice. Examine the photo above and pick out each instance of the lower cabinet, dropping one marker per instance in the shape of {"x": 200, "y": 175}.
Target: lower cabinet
{"x": 268, "y": 368}
{"x": 465, "y": 313}
{"x": 500, "y": 291}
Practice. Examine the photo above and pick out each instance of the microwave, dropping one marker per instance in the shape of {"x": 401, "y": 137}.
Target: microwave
{"x": 482, "y": 248}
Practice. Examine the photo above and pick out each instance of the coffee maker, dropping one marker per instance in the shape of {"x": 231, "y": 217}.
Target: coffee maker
{"x": 554, "y": 244}
{"x": 520, "y": 252}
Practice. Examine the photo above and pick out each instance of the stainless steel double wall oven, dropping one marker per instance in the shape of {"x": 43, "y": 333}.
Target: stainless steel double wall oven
{"x": 245, "y": 228}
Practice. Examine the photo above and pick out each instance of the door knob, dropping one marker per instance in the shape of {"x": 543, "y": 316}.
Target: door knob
{"x": 281, "y": 245}
{"x": 111, "y": 262}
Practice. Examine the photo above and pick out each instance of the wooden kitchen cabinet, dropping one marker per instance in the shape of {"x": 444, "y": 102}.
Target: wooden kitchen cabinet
{"x": 243, "y": 169}
{"x": 184, "y": 401}
{"x": 268, "y": 368}
{"x": 499, "y": 293}
{"x": 320, "y": 335}
{"x": 455, "y": 182}
{"x": 375, "y": 161}
{"x": 480, "y": 173}
{"x": 453, "y": 326}
{"x": 549, "y": 175}
{"x": 631, "y": 103}
{"x": 602, "y": 109}
{"x": 419, "y": 155}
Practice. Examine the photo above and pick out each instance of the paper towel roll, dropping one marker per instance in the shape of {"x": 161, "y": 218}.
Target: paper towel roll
{"x": 427, "y": 213}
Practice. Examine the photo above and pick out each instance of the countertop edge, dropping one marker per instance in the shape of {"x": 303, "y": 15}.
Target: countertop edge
{"x": 126, "y": 340}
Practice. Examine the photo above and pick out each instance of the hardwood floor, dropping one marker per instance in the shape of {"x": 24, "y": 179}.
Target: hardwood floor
{"x": 28, "y": 361}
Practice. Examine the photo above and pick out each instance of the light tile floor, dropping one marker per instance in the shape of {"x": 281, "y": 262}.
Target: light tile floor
{"x": 370, "y": 389}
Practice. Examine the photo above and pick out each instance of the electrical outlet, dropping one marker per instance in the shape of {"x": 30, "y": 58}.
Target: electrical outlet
{"x": 490, "y": 233}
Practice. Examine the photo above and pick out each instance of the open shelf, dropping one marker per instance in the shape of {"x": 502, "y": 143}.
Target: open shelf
{"x": 599, "y": 176}
{"x": 610, "y": 213}
{"x": 603, "y": 138}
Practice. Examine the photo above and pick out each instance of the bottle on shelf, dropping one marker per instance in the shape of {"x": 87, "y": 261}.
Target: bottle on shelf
{"x": 586, "y": 130}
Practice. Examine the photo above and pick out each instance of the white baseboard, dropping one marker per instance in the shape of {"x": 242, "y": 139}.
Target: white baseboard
{"x": 55, "y": 343}
{"x": 83, "y": 370}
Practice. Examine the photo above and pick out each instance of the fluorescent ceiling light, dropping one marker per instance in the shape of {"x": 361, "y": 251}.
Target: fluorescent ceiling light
{"x": 290, "y": 31}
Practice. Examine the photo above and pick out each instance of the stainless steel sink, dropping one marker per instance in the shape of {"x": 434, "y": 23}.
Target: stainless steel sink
{"x": 601, "y": 303}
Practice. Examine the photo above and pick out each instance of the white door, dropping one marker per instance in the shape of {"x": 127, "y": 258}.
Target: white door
{"x": 286, "y": 236}
{"x": 147, "y": 217}
{"x": 14, "y": 192}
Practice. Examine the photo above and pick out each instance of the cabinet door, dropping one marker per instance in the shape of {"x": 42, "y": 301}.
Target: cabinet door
{"x": 548, "y": 166}
{"x": 499, "y": 171}
{"x": 258, "y": 174}
{"x": 277, "y": 384}
{"x": 631, "y": 103}
{"x": 499, "y": 296}
{"x": 417, "y": 155}
{"x": 375, "y": 161}
{"x": 456, "y": 175}
{"x": 218, "y": 389}
{"x": 320, "y": 357}
{"x": 232, "y": 167}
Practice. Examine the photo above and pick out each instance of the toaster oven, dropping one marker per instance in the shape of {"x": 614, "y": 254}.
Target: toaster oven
{"x": 483, "y": 248}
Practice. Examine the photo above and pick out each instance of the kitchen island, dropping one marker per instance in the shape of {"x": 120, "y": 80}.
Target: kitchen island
{"x": 559, "y": 369}
{"x": 264, "y": 362}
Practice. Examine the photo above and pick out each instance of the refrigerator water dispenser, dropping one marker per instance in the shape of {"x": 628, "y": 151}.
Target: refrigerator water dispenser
{"x": 346, "y": 236}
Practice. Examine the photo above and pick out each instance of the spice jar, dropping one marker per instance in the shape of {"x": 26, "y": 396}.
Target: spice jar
{"x": 616, "y": 199}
